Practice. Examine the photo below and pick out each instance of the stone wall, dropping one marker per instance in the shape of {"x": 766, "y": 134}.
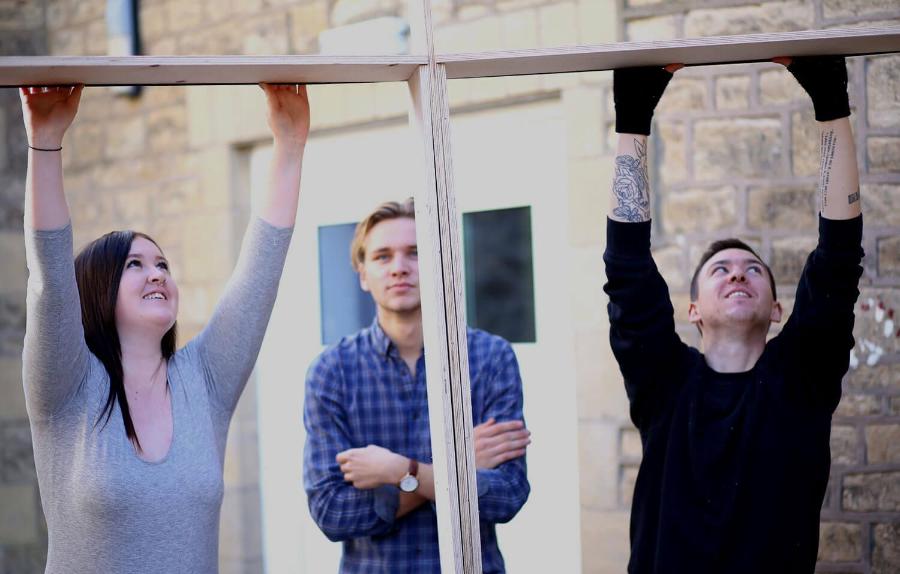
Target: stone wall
{"x": 23, "y": 535}
{"x": 735, "y": 144}
{"x": 736, "y": 153}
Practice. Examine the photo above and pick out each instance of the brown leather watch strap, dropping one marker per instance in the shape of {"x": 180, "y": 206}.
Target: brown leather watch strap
{"x": 413, "y": 467}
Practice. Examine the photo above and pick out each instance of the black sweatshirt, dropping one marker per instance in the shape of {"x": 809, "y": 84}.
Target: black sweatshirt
{"x": 735, "y": 465}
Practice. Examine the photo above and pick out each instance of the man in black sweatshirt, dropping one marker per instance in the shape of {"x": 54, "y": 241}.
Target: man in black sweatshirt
{"x": 736, "y": 437}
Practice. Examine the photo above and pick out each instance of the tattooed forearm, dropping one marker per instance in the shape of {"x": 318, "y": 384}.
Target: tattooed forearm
{"x": 631, "y": 186}
{"x": 853, "y": 197}
{"x": 829, "y": 143}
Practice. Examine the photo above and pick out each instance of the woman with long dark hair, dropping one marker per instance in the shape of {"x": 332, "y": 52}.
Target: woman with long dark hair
{"x": 129, "y": 432}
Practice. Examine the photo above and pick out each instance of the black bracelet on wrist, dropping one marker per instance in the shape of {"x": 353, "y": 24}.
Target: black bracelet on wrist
{"x": 44, "y": 148}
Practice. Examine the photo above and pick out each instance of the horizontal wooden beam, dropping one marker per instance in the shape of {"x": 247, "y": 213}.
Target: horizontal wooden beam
{"x": 691, "y": 51}
{"x": 197, "y": 70}
{"x": 321, "y": 69}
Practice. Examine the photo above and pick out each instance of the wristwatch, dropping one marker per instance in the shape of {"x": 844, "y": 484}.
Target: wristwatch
{"x": 410, "y": 483}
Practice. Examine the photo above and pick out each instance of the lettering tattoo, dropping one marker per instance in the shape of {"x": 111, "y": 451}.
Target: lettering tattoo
{"x": 829, "y": 143}
{"x": 853, "y": 197}
{"x": 631, "y": 186}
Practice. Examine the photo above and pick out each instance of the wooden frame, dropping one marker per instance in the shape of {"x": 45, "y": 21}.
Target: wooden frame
{"x": 438, "y": 236}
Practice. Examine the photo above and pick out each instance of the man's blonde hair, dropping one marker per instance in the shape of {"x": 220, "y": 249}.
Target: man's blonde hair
{"x": 384, "y": 212}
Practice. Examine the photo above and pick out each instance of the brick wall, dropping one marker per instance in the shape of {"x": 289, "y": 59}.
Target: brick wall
{"x": 736, "y": 153}
{"x": 23, "y": 536}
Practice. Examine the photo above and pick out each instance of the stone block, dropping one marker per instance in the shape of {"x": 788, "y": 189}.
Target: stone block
{"x": 844, "y": 445}
{"x": 881, "y": 204}
{"x": 883, "y": 154}
{"x": 18, "y": 514}
{"x": 88, "y": 141}
{"x": 558, "y": 25}
{"x": 886, "y": 551}
{"x": 778, "y": 87}
{"x": 671, "y": 263}
{"x": 872, "y": 492}
{"x": 889, "y": 256}
{"x": 58, "y": 13}
{"x": 782, "y": 208}
{"x": 630, "y": 445}
{"x": 725, "y": 149}
{"x": 125, "y": 138}
{"x": 584, "y": 121}
{"x": 519, "y": 30}
{"x": 788, "y": 258}
{"x": 600, "y": 391}
{"x": 23, "y": 558}
{"x": 604, "y": 541}
{"x": 161, "y": 96}
{"x": 87, "y": 10}
{"x": 653, "y": 28}
{"x": 883, "y": 444}
{"x": 162, "y": 47}
{"x": 306, "y": 22}
{"x": 95, "y": 41}
{"x": 12, "y": 396}
{"x": 670, "y": 148}
{"x": 766, "y": 17}
{"x": 154, "y": 20}
{"x": 856, "y": 8}
{"x": 703, "y": 210}
{"x": 732, "y": 93}
{"x": 684, "y": 94}
{"x": 167, "y": 130}
{"x": 12, "y": 318}
{"x": 586, "y": 298}
{"x": 18, "y": 15}
{"x": 598, "y": 464}
{"x": 805, "y": 153}
{"x": 878, "y": 377}
{"x": 24, "y": 43}
{"x": 883, "y": 91}
{"x": 266, "y": 34}
{"x": 840, "y": 542}
{"x": 16, "y": 456}
{"x": 67, "y": 42}
{"x": 597, "y": 22}
{"x": 184, "y": 16}
{"x": 586, "y": 206}
{"x": 857, "y": 405}
{"x": 626, "y": 485}
{"x": 12, "y": 256}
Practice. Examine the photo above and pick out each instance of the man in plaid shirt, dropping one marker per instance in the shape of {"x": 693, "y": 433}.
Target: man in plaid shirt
{"x": 367, "y": 462}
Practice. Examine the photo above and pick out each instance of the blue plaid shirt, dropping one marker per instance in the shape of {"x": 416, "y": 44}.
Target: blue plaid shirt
{"x": 360, "y": 392}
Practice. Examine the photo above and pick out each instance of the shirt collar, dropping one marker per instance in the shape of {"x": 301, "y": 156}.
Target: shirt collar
{"x": 380, "y": 341}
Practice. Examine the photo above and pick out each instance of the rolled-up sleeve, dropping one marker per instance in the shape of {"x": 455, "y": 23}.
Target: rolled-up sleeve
{"x": 341, "y": 511}
{"x": 502, "y": 491}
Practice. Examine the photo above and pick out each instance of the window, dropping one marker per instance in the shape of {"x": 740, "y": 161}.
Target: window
{"x": 499, "y": 272}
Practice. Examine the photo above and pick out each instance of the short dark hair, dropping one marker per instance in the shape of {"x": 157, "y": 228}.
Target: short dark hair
{"x": 722, "y": 245}
{"x": 385, "y": 211}
{"x": 98, "y": 271}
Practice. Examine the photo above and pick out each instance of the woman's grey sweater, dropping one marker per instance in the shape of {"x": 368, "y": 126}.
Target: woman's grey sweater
{"x": 108, "y": 510}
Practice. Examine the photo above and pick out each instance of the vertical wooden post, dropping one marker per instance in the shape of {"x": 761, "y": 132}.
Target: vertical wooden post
{"x": 443, "y": 313}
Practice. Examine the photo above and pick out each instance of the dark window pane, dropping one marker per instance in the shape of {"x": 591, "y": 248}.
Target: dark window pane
{"x": 500, "y": 273}
{"x": 345, "y": 307}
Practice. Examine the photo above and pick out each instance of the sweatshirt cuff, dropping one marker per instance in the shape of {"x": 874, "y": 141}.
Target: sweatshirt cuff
{"x": 628, "y": 238}
{"x": 840, "y": 234}
{"x": 387, "y": 501}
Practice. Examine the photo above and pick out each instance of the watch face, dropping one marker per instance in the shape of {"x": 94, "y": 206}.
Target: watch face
{"x": 409, "y": 483}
